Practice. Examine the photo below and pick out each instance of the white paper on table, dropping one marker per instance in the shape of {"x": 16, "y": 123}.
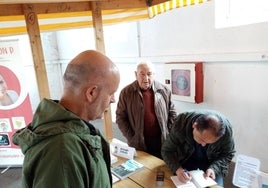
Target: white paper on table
{"x": 246, "y": 172}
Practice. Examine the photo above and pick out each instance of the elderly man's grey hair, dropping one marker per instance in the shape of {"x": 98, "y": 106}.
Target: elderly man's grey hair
{"x": 148, "y": 63}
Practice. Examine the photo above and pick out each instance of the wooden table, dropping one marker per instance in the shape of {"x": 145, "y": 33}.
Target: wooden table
{"x": 147, "y": 176}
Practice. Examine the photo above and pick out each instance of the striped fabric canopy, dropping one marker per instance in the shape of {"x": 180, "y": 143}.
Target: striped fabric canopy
{"x": 58, "y": 21}
{"x": 172, "y": 4}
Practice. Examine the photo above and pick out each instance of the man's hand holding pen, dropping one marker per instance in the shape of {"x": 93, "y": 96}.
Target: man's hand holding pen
{"x": 183, "y": 175}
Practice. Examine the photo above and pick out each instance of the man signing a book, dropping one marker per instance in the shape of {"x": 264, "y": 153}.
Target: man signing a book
{"x": 200, "y": 140}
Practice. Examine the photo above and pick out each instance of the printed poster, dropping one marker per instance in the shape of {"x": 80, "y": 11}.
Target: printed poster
{"x": 15, "y": 106}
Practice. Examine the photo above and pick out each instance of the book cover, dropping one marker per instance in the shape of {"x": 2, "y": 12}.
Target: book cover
{"x": 198, "y": 180}
{"x": 126, "y": 169}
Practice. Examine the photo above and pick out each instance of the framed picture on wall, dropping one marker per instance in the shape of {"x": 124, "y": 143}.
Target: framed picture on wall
{"x": 185, "y": 81}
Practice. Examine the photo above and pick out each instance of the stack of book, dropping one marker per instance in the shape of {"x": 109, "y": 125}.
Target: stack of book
{"x": 126, "y": 169}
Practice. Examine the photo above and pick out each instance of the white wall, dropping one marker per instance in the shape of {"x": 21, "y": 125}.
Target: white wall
{"x": 189, "y": 33}
{"x": 235, "y": 64}
{"x": 235, "y": 68}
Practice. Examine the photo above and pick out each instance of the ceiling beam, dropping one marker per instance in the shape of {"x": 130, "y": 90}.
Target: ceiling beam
{"x": 45, "y": 8}
{"x": 41, "y": 1}
{"x": 10, "y": 9}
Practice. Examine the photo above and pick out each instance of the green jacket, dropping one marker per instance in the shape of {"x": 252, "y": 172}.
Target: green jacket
{"x": 61, "y": 151}
{"x": 179, "y": 145}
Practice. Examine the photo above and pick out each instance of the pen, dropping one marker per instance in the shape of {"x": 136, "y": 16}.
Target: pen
{"x": 188, "y": 176}
{"x": 3, "y": 171}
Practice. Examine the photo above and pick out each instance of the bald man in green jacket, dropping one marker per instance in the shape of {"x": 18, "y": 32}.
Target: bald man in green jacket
{"x": 62, "y": 149}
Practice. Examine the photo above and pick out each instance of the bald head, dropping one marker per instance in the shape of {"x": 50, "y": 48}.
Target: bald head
{"x": 88, "y": 66}
{"x": 90, "y": 81}
{"x": 211, "y": 122}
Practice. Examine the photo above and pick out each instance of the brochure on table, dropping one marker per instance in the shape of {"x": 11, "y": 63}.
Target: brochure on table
{"x": 247, "y": 173}
{"x": 122, "y": 149}
{"x": 126, "y": 169}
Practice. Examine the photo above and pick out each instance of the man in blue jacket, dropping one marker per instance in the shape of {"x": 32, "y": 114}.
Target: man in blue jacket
{"x": 200, "y": 140}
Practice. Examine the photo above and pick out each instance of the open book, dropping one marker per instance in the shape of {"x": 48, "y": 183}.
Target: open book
{"x": 126, "y": 169}
{"x": 198, "y": 180}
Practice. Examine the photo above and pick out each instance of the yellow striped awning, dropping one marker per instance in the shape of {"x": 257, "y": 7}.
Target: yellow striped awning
{"x": 57, "y": 21}
{"x": 172, "y": 4}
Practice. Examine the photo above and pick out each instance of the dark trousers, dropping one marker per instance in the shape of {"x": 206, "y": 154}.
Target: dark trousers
{"x": 153, "y": 145}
